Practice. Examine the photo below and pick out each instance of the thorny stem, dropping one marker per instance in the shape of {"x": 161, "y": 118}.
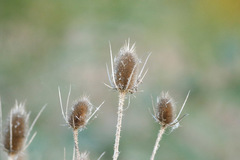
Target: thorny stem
{"x": 156, "y": 146}
{"x": 75, "y": 136}
{"x": 119, "y": 125}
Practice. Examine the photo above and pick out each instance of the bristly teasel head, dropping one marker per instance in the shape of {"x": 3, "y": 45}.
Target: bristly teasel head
{"x": 126, "y": 68}
{"x": 80, "y": 113}
{"x": 165, "y": 111}
{"x": 124, "y": 77}
{"x": 16, "y": 130}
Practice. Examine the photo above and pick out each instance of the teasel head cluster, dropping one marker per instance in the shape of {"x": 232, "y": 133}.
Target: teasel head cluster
{"x": 126, "y": 75}
{"x": 15, "y": 133}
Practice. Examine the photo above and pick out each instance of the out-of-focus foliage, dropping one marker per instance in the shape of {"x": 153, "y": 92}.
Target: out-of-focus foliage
{"x": 195, "y": 46}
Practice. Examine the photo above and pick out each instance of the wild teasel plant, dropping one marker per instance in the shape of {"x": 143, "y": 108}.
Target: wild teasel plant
{"x": 165, "y": 115}
{"x": 16, "y": 134}
{"x": 77, "y": 119}
{"x": 124, "y": 79}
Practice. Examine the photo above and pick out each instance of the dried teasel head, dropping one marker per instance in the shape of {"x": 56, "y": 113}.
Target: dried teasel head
{"x": 165, "y": 110}
{"x": 16, "y": 130}
{"x": 125, "y": 69}
{"x": 80, "y": 113}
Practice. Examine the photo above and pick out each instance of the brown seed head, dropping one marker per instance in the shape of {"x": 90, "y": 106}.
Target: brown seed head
{"x": 165, "y": 109}
{"x": 126, "y": 68}
{"x": 81, "y": 111}
{"x": 15, "y": 132}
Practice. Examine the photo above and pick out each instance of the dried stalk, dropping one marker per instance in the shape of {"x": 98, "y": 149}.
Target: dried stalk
{"x": 119, "y": 125}
{"x": 156, "y": 146}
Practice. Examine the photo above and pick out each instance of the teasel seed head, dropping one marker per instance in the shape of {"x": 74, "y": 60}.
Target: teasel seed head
{"x": 126, "y": 68}
{"x": 165, "y": 111}
{"x": 16, "y": 130}
{"x": 124, "y": 75}
{"x": 80, "y": 113}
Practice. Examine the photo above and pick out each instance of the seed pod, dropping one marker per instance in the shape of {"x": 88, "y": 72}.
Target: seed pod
{"x": 81, "y": 111}
{"x": 126, "y": 68}
{"x": 16, "y": 129}
{"x": 165, "y": 109}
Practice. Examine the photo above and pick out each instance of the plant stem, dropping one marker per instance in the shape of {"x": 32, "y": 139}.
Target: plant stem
{"x": 161, "y": 131}
{"x": 119, "y": 124}
{"x": 75, "y": 136}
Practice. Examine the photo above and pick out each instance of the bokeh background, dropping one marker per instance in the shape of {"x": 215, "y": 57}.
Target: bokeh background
{"x": 195, "y": 46}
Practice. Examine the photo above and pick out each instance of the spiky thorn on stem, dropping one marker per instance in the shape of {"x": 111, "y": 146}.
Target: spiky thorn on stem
{"x": 164, "y": 114}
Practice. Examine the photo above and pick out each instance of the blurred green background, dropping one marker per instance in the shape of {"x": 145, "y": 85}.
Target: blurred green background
{"x": 195, "y": 46}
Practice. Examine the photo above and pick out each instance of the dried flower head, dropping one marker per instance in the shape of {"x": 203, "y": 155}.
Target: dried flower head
{"x": 126, "y": 68}
{"x": 165, "y": 112}
{"x": 16, "y": 130}
{"x": 165, "y": 109}
{"x": 125, "y": 77}
{"x": 81, "y": 111}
